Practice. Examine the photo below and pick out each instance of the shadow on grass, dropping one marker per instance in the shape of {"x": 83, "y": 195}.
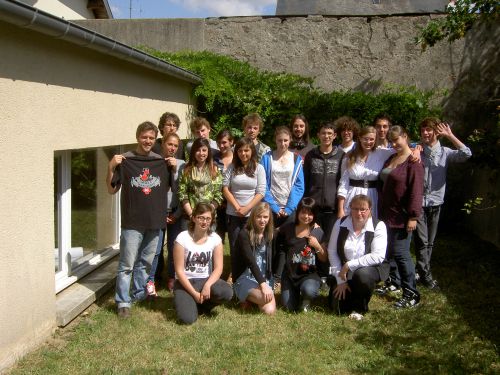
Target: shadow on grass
{"x": 461, "y": 316}
{"x": 469, "y": 280}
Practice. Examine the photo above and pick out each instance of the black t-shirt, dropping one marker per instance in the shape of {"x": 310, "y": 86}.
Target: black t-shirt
{"x": 144, "y": 185}
{"x": 301, "y": 259}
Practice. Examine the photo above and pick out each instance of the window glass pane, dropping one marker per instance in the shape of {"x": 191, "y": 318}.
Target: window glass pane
{"x": 93, "y": 223}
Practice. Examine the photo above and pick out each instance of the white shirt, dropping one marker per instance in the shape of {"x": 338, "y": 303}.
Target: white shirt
{"x": 281, "y": 179}
{"x": 365, "y": 171}
{"x": 354, "y": 247}
{"x": 198, "y": 257}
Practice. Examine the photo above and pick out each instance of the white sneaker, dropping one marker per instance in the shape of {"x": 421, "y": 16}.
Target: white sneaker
{"x": 355, "y": 316}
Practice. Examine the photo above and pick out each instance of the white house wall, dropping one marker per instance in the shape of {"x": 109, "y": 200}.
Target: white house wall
{"x": 56, "y": 96}
{"x": 67, "y": 9}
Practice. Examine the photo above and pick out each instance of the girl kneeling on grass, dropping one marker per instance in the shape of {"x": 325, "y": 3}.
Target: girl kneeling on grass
{"x": 253, "y": 260}
{"x": 198, "y": 259}
{"x": 299, "y": 243}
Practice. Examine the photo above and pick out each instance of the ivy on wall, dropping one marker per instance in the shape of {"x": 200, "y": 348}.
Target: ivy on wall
{"x": 231, "y": 89}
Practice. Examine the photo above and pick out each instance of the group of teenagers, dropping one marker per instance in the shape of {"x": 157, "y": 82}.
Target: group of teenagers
{"x": 295, "y": 217}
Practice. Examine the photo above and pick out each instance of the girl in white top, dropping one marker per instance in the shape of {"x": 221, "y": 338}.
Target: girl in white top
{"x": 360, "y": 170}
{"x": 284, "y": 177}
{"x": 198, "y": 259}
{"x": 356, "y": 252}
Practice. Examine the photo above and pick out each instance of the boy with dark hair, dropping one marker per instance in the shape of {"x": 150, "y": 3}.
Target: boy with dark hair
{"x": 322, "y": 176}
{"x": 382, "y": 123}
{"x": 169, "y": 123}
{"x": 144, "y": 179}
{"x": 348, "y": 128}
{"x": 435, "y": 159}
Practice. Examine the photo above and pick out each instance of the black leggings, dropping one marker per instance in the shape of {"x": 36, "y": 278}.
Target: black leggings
{"x": 362, "y": 285}
{"x": 187, "y": 308}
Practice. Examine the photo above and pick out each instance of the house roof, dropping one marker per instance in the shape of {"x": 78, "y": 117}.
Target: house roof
{"x": 25, "y": 16}
{"x": 100, "y": 8}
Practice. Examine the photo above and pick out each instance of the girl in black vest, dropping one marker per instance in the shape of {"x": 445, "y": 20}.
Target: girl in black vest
{"x": 357, "y": 251}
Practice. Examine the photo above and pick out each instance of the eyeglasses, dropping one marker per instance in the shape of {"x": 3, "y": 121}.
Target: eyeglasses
{"x": 363, "y": 139}
{"x": 360, "y": 210}
{"x": 204, "y": 219}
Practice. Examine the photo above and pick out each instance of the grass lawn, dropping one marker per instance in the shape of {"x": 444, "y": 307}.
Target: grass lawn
{"x": 454, "y": 331}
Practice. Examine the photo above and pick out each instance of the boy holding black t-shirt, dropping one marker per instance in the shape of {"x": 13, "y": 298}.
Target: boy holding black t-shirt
{"x": 143, "y": 177}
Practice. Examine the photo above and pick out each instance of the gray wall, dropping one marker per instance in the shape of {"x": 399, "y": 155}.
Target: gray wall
{"x": 340, "y": 53}
{"x": 358, "y": 7}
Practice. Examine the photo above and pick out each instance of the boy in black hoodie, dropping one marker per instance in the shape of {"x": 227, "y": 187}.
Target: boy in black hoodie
{"x": 322, "y": 175}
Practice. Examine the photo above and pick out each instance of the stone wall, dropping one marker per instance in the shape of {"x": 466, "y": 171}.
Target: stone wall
{"x": 358, "y": 7}
{"x": 358, "y": 53}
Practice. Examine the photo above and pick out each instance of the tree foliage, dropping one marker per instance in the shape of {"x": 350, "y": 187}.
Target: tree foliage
{"x": 231, "y": 89}
{"x": 459, "y": 19}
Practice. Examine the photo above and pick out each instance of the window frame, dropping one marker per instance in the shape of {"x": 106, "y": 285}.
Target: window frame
{"x": 65, "y": 275}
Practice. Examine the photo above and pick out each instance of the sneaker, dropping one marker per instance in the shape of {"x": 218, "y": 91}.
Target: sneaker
{"x": 408, "y": 300}
{"x": 305, "y": 305}
{"x": 277, "y": 286}
{"x": 123, "y": 312}
{"x": 387, "y": 289}
{"x": 430, "y": 284}
{"x": 170, "y": 284}
{"x": 355, "y": 316}
{"x": 151, "y": 289}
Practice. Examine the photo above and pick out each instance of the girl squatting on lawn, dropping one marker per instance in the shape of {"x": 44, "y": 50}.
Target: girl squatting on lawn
{"x": 198, "y": 258}
{"x": 252, "y": 269}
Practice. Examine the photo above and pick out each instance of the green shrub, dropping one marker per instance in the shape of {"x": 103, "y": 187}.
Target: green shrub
{"x": 231, "y": 89}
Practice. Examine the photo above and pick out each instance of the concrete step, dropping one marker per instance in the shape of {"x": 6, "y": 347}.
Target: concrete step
{"x": 72, "y": 301}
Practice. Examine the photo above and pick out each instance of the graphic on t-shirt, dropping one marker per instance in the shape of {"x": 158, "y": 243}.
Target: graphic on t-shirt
{"x": 198, "y": 261}
{"x": 145, "y": 181}
{"x": 305, "y": 259}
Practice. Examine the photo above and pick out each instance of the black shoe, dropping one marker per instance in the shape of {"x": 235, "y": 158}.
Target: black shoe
{"x": 386, "y": 289}
{"x": 123, "y": 312}
{"x": 430, "y": 284}
{"x": 409, "y": 300}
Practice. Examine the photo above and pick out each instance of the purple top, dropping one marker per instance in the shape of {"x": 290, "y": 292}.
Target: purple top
{"x": 400, "y": 197}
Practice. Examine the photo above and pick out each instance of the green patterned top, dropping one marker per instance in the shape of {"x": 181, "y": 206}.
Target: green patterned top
{"x": 198, "y": 186}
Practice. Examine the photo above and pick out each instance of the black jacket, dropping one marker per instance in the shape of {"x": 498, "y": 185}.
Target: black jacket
{"x": 322, "y": 176}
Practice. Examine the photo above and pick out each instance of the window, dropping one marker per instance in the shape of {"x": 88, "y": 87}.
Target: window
{"x": 87, "y": 220}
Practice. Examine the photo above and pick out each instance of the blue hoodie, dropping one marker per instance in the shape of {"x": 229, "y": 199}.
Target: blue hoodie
{"x": 297, "y": 184}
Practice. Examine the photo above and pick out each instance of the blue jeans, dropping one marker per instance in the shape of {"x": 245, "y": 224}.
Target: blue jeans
{"x": 158, "y": 258}
{"x": 427, "y": 226}
{"x": 292, "y": 295}
{"x": 402, "y": 273}
{"x": 137, "y": 250}
{"x": 172, "y": 231}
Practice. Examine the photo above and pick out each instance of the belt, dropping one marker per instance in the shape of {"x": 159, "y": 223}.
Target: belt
{"x": 363, "y": 183}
